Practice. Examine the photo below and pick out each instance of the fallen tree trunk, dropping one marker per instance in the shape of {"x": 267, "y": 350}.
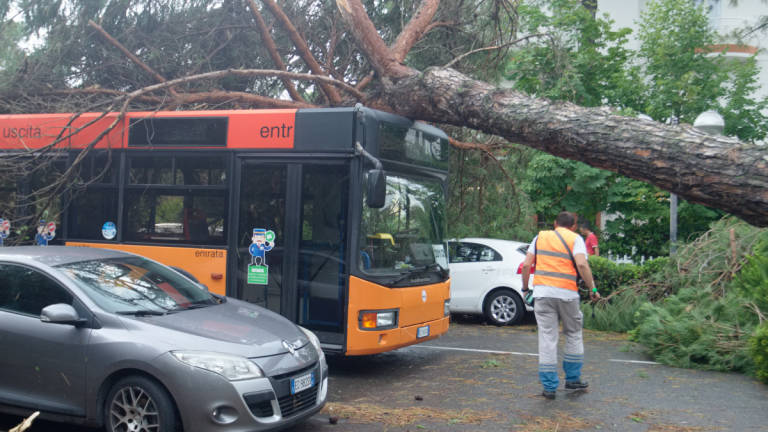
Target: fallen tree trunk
{"x": 715, "y": 171}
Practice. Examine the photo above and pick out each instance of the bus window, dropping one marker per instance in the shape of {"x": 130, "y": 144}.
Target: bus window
{"x": 7, "y": 198}
{"x": 89, "y": 211}
{"x": 199, "y": 171}
{"x": 99, "y": 168}
{"x": 151, "y": 170}
{"x": 262, "y": 205}
{"x": 321, "y": 281}
{"x": 193, "y": 217}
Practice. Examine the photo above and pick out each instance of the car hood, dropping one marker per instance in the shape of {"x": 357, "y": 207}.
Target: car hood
{"x": 234, "y": 327}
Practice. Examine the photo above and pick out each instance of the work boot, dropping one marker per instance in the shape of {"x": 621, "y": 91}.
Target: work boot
{"x": 549, "y": 394}
{"x": 576, "y": 385}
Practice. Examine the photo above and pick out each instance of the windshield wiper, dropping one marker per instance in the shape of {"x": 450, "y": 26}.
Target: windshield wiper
{"x": 192, "y": 306}
{"x": 142, "y": 312}
{"x": 416, "y": 270}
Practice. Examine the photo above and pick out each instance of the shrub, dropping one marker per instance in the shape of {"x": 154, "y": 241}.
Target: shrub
{"x": 657, "y": 269}
{"x": 610, "y": 276}
{"x": 758, "y": 349}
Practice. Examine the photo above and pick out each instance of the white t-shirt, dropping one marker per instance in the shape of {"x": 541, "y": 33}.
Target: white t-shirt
{"x": 540, "y": 291}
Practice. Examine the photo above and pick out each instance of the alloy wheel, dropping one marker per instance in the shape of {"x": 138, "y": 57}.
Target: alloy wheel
{"x": 503, "y": 309}
{"x": 133, "y": 410}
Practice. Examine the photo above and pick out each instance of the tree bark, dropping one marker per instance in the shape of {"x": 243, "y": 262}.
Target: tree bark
{"x": 715, "y": 171}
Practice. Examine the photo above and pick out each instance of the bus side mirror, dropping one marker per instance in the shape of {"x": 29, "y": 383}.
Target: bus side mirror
{"x": 377, "y": 188}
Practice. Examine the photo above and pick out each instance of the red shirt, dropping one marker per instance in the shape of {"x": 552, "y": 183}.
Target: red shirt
{"x": 591, "y": 243}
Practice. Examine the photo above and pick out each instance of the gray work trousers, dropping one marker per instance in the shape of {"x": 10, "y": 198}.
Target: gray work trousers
{"x": 548, "y": 312}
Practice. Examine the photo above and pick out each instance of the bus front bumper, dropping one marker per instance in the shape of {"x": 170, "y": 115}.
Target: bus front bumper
{"x": 374, "y": 342}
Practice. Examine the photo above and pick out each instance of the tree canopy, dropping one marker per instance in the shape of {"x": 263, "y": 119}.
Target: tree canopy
{"x": 429, "y": 60}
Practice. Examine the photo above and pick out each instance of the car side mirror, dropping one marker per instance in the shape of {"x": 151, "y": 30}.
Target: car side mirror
{"x": 61, "y": 313}
{"x": 377, "y": 188}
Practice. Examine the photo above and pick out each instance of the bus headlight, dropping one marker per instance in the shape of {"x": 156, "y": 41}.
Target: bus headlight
{"x": 378, "y": 320}
{"x": 447, "y": 307}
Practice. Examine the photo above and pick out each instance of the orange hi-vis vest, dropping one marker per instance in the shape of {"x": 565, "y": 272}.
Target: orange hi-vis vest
{"x": 554, "y": 266}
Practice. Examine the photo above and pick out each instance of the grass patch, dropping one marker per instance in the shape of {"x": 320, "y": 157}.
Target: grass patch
{"x": 560, "y": 422}
{"x": 363, "y": 413}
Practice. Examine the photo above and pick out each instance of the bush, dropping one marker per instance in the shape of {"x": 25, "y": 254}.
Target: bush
{"x": 657, "y": 269}
{"x": 610, "y": 276}
{"x": 758, "y": 349}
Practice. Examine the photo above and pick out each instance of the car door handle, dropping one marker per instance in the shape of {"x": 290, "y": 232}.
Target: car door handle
{"x": 489, "y": 269}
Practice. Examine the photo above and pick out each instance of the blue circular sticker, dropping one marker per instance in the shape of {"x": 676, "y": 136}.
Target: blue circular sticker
{"x": 109, "y": 230}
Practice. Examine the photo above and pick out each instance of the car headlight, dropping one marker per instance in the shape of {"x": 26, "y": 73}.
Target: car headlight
{"x": 231, "y": 367}
{"x": 314, "y": 340}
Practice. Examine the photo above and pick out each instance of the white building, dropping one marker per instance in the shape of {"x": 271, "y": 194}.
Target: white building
{"x": 724, "y": 17}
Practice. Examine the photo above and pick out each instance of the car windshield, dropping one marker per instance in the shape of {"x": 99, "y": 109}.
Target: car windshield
{"x": 406, "y": 233}
{"x": 134, "y": 285}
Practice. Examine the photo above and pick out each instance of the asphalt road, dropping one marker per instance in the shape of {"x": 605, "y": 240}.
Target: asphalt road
{"x": 484, "y": 378}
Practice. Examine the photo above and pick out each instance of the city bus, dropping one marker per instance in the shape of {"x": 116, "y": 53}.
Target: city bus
{"x": 334, "y": 218}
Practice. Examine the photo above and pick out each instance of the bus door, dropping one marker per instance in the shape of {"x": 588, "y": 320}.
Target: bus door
{"x": 266, "y": 235}
{"x": 322, "y": 269}
{"x": 306, "y": 208}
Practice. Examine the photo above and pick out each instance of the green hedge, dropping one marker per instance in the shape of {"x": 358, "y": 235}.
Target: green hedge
{"x": 758, "y": 349}
{"x": 610, "y": 276}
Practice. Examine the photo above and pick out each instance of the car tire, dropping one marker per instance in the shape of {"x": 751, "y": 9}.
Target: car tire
{"x": 503, "y": 307}
{"x": 139, "y": 404}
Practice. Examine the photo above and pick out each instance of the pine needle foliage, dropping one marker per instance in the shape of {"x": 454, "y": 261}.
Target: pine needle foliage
{"x": 704, "y": 308}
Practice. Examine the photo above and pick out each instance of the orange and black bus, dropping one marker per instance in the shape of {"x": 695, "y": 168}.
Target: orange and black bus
{"x": 351, "y": 200}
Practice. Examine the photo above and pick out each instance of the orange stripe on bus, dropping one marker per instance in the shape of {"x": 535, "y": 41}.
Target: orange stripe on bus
{"x": 204, "y": 264}
{"x": 247, "y": 129}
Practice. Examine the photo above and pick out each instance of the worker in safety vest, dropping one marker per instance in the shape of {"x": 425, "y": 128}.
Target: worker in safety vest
{"x": 561, "y": 257}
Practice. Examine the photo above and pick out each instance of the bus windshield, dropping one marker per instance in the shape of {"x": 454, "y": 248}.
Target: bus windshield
{"x": 406, "y": 234}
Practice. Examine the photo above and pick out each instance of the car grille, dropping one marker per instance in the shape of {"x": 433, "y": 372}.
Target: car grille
{"x": 292, "y": 404}
{"x": 260, "y": 403}
{"x": 261, "y": 409}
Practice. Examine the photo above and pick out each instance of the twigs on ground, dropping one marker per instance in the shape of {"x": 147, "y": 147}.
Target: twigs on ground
{"x": 26, "y": 424}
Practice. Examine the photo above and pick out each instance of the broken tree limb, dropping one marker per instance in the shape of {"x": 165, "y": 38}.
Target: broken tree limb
{"x": 269, "y": 43}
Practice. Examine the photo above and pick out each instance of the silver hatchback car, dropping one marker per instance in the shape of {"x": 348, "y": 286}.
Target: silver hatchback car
{"x": 110, "y": 339}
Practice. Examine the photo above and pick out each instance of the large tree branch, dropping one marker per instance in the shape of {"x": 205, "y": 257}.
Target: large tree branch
{"x": 382, "y": 59}
{"x": 415, "y": 29}
{"x": 716, "y": 171}
{"x": 229, "y": 96}
{"x": 269, "y": 43}
{"x": 303, "y": 50}
{"x": 130, "y": 55}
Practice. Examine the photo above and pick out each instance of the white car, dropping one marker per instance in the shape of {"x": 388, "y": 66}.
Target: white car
{"x": 486, "y": 278}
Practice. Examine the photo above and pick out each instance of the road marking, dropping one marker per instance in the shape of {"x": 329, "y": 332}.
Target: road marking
{"x": 518, "y": 353}
{"x": 634, "y": 361}
{"x": 475, "y": 350}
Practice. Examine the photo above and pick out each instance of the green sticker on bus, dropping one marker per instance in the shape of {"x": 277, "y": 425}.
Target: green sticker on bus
{"x": 257, "y": 274}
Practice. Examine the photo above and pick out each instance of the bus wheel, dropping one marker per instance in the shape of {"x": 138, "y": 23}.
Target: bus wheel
{"x": 503, "y": 307}
{"x": 138, "y": 404}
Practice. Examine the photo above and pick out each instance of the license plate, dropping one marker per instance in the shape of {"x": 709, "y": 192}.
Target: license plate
{"x": 302, "y": 383}
{"x": 422, "y": 332}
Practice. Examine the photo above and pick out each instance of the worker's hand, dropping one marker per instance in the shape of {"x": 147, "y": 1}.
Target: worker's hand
{"x": 594, "y": 295}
